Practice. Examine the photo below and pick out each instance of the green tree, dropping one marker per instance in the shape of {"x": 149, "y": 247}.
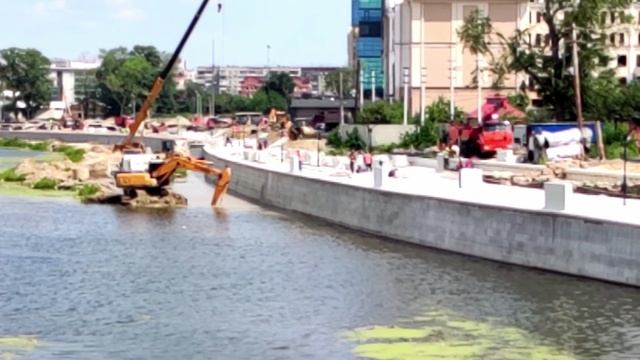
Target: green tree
{"x": 126, "y": 76}
{"x": 332, "y": 81}
{"x": 439, "y": 111}
{"x": 26, "y": 72}
{"x": 520, "y": 100}
{"x": 547, "y": 64}
{"x": 281, "y": 83}
{"x": 474, "y": 34}
{"x": 381, "y": 112}
{"x": 264, "y": 100}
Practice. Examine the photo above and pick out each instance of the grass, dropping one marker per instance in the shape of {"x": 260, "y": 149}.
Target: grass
{"x": 45, "y": 184}
{"x": 11, "y": 175}
{"x": 87, "y": 190}
{"x": 22, "y": 144}
{"x": 74, "y": 154}
{"x": 15, "y": 189}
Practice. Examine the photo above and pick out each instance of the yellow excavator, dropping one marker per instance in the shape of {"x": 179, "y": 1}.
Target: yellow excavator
{"x": 152, "y": 173}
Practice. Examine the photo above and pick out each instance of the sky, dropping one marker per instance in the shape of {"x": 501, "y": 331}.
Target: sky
{"x": 300, "y": 32}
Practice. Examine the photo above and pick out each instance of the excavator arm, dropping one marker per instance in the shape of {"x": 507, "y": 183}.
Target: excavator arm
{"x": 175, "y": 161}
{"x": 158, "y": 84}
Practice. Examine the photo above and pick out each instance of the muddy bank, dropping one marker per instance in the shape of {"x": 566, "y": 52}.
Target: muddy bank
{"x": 86, "y": 172}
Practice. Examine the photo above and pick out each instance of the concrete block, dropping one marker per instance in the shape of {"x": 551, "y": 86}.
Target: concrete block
{"x": 441, "y": 163}
{"x": 557, "y": 195}
{"x": 400, "y": 161}
{"x": 471, "y": 178}
{"x": 378, "y": 177}
{"x": 294, "y": 164}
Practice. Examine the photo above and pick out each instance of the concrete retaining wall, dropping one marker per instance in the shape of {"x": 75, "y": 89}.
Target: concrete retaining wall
{"x": 380, "y": 134}
{"x": 538, "y": 239}
{"x": 153, "y": 142}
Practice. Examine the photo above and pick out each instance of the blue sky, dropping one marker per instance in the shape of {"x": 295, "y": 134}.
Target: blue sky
{"x": 300, "y": 32}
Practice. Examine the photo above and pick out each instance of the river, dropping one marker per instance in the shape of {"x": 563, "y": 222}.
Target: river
{"x": 246, "y": 282}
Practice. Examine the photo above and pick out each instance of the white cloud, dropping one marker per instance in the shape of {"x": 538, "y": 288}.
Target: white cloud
{"x": 125, "y": 10}
{"x": 46, "y": 6}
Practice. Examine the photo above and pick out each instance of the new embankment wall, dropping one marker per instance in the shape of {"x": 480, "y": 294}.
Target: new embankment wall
{"x": 153, "y": 142}
{"x": 538, "y": 239}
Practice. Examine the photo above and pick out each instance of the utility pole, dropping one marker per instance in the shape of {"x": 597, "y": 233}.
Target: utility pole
{"x": 268, "y": 59}
{"x": 212, "y": 110}
{"x": 341, "y": 99}
{"x": 405, "y": 80}
{"x": 479, "y": 81}
{"x": 361, "y": 80}
{"x": 423, "y": 95}
{"x": 576, "y": 78}
{"x": 373, "y": 86}
{"x": 452, "y": 77}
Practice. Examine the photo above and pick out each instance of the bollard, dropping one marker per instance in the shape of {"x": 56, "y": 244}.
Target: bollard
{"x": 557, "y": 195}
{"x": 294, "y": 167}
{"x": 471, "y": 178}
{"x": 441, "y": 163}
{"x": 378, "y": 175}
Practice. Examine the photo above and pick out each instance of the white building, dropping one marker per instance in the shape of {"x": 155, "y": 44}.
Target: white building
{"x": 231, "y": 77}
{"x": 69, "y": 77}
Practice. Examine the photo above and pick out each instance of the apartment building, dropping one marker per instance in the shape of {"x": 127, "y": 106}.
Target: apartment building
{"x": 72, "y": 80}
{"x": 230, "y": 79}
{"x": 421, "y": 38}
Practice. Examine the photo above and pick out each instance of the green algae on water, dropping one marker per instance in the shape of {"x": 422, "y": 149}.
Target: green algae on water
{"x": 447, "y": 335}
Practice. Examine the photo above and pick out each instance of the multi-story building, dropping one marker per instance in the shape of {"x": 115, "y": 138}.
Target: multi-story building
{"x": 229, "y": 78}
{"x": 72, "y": 80}
{"x": 366, "y": 36}
{"x": 316, "y": 77}
{"x": 421, "y": 37}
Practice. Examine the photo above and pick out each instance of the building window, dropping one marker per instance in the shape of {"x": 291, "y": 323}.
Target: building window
{"x": 613, "y": 17}
{"x": 547, "y": 39}
{"x": 621, "y": 17}
{"x": 612, "y": 39}
{"x": 621, "y": 37}
{"x": 538, "y": 17}
{"x": 622, "y": 81}
{"x": 638, "y": 61}
{"x": 603, "y": 17}
{"x": 622, "y": 60}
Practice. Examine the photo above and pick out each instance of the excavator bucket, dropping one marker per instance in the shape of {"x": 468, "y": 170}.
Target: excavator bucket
{"x": 222, "y": 186}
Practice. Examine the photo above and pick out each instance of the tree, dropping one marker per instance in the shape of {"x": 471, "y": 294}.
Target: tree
{"x": 381, "y": 112}
{"x": 26, "y": 73}
{"x": 474, "y": 35}
{"x": 440, "y": 112}
{"x": 332, "y": 81}
{"x": 125, "y": 77}
{"x": 281, "y": 83}
{"x": 547, "y": 64}
{"x": 264, "y": 100}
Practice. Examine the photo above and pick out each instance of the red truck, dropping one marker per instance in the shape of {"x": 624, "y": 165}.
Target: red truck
{"x": 494, "y": 134}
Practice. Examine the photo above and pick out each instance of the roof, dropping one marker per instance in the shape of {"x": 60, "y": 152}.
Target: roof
{"x": 321, "y": 103}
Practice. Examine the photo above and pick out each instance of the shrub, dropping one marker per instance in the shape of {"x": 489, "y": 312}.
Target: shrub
{"x": 88, "y": 190}
{"x": 45, "y": 184}
{"x": 334, "y": 139}
{"x": 41, "y": 146}
{"x": 353, "y": 140}
{"x": 14, "y": 143}
{"x": 74, "y": 154}
{"x": 11, "y": 176}
{"x": 381, "y": 113}
{"x": 385, "y": 149}
{"x": 422, "y": 137}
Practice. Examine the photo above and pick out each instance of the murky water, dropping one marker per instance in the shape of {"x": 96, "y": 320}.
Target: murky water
{"x": 94, "y": 282}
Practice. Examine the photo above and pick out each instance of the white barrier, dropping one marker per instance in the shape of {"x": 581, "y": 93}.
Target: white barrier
{"x": 557, "y": 195}
{"x": 294, "y": 164}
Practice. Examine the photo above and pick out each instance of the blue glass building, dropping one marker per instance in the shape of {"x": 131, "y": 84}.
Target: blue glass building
{"x": 367, "y": 17}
